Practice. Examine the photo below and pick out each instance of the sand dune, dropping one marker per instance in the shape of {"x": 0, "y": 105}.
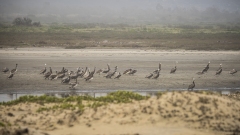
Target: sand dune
{"x": 176, "y": 113}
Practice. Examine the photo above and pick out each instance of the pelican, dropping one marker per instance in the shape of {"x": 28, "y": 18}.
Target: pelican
{"x": 14, "y": 70}
{"x": 133, "y": 72}
{"x": 46, "y": 75}
{"x": 191, "y": 86}
{"x": 173, "y": 70}
{"x": 73, "y": 85}
{"x": 118, "y": 76}
{"x": 60, "y": 75}
{"x": 233, "y": 72}
{"x": 93, "y": 72}
{"x": 127, "y": 71}
{"x": 159, "y": 68}
{"x": 156, "y": 76}
{"x": 66, "y": 80}
{"x": 110, "y": 74}
{"x": 108, "y": 69}
{"x": 10, "y": 76}
{"x": 89, "y": 78}
{"x": 206, "y": 68}
{"x": 149, "y": 76}
{"x": 99, "y": 71}
{"x": 5, "y": 70}
{"x": 219, "y": 71}
{"x": 43, "y": 70}
{"x": 53, "y": 76}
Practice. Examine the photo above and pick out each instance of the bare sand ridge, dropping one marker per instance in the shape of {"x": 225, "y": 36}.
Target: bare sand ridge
{"x": 31, "y": 61}
{"x": 173, "y": 113}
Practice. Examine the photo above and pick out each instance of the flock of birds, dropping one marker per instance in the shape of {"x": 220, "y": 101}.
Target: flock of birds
{"x": 88, "y": 75}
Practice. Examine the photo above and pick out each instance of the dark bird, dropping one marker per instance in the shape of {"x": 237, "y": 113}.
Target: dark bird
{"x": 53, "y": 76}
{"x": 10, "y": 76}
{"x": 73, "y": 85}
{"x": 173, "y": 70}
{"x": 89, "y": 78}
{"x": 159, "y": 69}
{"x": 61, "y": 75}
{"x": 111, "y": 74}
{"x": 5, "y": 70}
{"x": 46, "y": 75}
{"x": 93, "y": 72}
{"x": 156, "y": 76}
{"x": 107, "y": 70}
{"x": 127, "y": 71}
{"x": 66, "y": 80}
{"x": 99, "y": 71}
{"x": 149, "y": 76}
{"x": 206, "y": 68}
{"x": 43, "y": 70}
{"x": 233, "y": 72}
{"x": 133, "y": 72}
{"x": 118, "y": 76}
{"x": 14, "y": 70}
{"x": 191, "y": 86}
{"x": 219, "y": 71}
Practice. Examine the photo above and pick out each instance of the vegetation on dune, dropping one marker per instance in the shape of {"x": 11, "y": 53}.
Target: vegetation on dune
{"x": 74, "y": 102}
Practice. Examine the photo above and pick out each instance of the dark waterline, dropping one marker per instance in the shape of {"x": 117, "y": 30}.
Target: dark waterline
{"x": 5, "y": 97}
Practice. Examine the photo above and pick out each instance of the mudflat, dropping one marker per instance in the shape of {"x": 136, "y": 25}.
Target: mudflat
{"x": 31, "y": 61}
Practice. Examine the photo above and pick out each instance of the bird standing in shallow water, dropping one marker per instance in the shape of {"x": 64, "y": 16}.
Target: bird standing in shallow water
{"x": 191, "y": 86}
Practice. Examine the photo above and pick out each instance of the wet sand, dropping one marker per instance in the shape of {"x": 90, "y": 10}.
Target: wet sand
{"x": 31, "y": 61}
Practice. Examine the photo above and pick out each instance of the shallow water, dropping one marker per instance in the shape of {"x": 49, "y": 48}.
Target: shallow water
{"x": 12, "y": 96}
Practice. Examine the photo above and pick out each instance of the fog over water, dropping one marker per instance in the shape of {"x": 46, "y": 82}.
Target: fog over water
{"x": 122, "y": 11}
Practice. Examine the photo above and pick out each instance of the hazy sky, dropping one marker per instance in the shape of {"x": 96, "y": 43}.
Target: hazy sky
{"x": 117, "y": 11}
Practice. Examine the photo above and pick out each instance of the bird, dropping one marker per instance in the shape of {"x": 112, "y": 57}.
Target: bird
{"x": 93, "y": 72}
{"x": 61, "y": 75}
{"x": 14, "y": 70}
{"x": 156, "y": 76}
{"x": 232, "y": 71}
{"x": 53, "y": 76}
{"x": 89, "y": 78}
{"x": 43, "y": 70}
{"x": 191, "y": 86}
{"x": 206, "y": 68}
{"x": 110, "y": 74}
{"x": 159, "y": 68}
{"x": 66, "y": 80}
{"x": 173, "y": 70}
{"x": 73, "y": 85}
{"x": 46, "y": 75}
{"x": 5, "y": 70}
{"x": 127, "y": 71}
{"x": 99, "y": 71}
{"x": 10, "y": 76}
{"x": 107, "y": 70}
{"x": 149, "y": 76}
{"x": 133, "y": 72}
{"x": 219, "y": 71}
{"x": 118, "y": 76}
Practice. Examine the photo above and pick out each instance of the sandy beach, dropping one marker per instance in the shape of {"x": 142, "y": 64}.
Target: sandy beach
{"x": 31, "y": 61}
